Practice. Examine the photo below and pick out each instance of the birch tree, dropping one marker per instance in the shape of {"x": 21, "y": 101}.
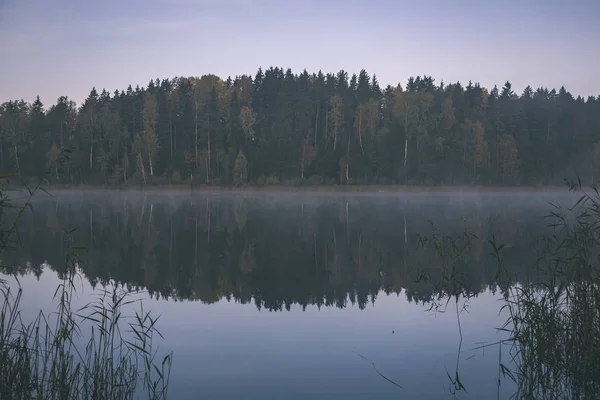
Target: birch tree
{"x": 149, "y": 136}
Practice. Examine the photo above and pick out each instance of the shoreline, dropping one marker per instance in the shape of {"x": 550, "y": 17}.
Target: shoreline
{"x": 355, "y": 189}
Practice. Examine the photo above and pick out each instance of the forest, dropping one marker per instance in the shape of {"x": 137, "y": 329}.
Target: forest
{"x": 279, "y": 127}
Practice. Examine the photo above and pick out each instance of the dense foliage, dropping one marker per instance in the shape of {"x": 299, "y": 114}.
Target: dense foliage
{"x": 290, "y": 128}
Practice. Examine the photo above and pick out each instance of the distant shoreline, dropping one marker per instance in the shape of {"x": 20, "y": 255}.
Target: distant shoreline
{"x": 364, "y": 189}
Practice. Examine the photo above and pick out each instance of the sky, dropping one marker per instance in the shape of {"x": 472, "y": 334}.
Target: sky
{"x": 53, "y": 48}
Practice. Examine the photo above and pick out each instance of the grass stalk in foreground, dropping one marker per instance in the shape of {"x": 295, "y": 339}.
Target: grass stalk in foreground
{"x": 48, "y": 358}
{"x": 553, "y": 323}
{"x": 95, "y": 352}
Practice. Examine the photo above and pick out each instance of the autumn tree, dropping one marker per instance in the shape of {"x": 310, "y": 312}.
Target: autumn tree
{"x": 88, "y": 122}
{"x": 509, "y": 158}
{"x": 307, "y": 155}
{"x": 412, "y": 112}
{"x": 240, "y": 170}
{"x": 248, "y": 119}
{"x": 334, "y": 122}
{"x": 52, "y": 158}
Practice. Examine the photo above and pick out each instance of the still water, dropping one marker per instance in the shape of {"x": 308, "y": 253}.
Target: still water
{"x": 288, "y": 295}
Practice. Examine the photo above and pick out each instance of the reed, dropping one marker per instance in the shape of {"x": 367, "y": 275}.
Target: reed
{"x": 103, "y": 350}
{"x": 555, "y": 320}
{"x": 552, "y": 328}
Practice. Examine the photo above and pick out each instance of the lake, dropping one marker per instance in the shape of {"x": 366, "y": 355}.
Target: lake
{"x": 299, "y": 295}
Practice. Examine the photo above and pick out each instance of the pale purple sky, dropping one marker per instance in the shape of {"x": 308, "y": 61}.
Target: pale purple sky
{"x": 64, "y": 47}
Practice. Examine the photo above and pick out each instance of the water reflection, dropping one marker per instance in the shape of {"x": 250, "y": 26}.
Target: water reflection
{"x": 280, "y": 250}
{"x": 291, "y": 252}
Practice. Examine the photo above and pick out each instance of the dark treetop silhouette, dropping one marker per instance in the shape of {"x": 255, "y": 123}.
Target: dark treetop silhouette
{"x": 282, "y": 127}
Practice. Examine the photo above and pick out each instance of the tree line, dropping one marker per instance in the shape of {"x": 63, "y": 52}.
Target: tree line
{"x": 281, "y": 127}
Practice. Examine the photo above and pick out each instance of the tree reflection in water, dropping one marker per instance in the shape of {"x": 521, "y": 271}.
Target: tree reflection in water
{"x": 335, "y": 250}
